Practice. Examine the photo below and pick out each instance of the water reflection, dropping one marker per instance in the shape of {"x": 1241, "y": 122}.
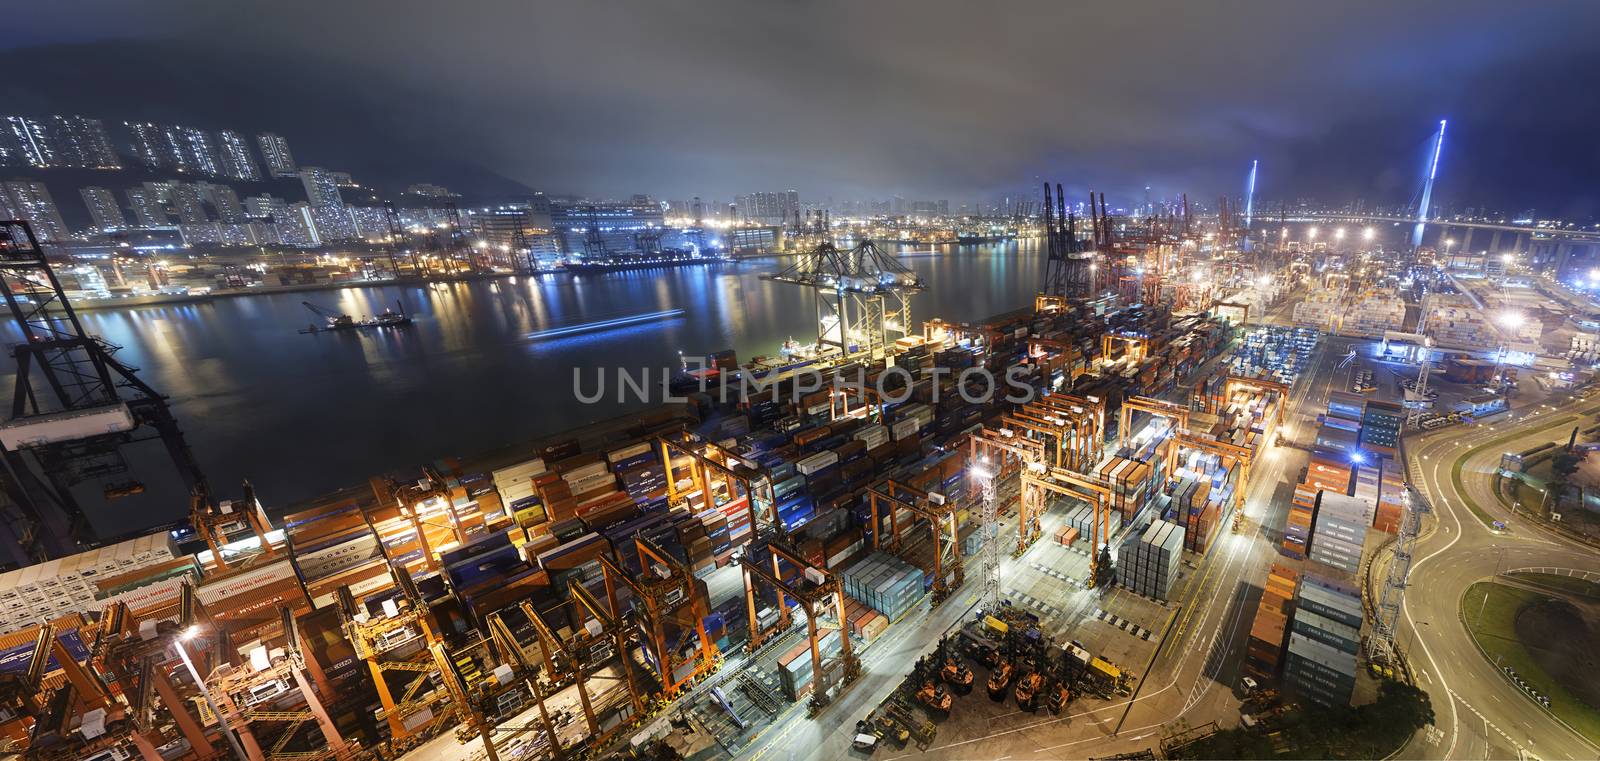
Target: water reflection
{"x": 301, "y": 415}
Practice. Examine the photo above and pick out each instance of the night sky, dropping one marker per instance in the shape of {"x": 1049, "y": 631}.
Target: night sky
{"x": 957, "y": 100}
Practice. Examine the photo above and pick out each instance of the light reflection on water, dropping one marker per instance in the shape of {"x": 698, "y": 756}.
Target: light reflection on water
{"x": 302, "y": 415}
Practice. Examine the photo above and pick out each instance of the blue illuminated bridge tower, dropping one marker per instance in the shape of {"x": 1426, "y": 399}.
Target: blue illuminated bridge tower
{"x": 1427, "y": 188}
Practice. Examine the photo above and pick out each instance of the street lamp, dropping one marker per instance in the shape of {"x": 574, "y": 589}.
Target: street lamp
{"x": 188, "y": 634}
{"x": 1369, "y": 233}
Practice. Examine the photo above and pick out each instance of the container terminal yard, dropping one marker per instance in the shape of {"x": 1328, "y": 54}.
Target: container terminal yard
{"x": 1158, "y": 493}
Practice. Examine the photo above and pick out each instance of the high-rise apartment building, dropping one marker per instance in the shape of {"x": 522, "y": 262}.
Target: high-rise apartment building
{"x": 280, "y": 162}
{"x": 25, "y": 142}
{"x": 322, "y": 190}
{"x": 148, "y": 144}
{"x": 234, "y": 152}
{"x": 82, "y": 142}
{"x": 191, "y": 150}
{"x": 105, "y": 214}
{"x": 190, "y": 205}
{"x": 148, "y": 211}
{"x": 30, "y": 200}
{"x": 223, "y": 199}
{"x": 266, "y": 207}
{"x": 771, "y": 207}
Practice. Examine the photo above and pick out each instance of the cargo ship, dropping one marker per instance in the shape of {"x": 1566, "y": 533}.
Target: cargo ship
{"x": 640, "y": 261}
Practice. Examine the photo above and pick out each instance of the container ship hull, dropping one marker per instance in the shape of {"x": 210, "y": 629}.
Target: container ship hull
{"x": 620, "y": 264}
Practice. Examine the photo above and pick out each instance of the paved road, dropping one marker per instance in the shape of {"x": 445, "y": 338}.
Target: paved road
{"x": 1479, "y": 713}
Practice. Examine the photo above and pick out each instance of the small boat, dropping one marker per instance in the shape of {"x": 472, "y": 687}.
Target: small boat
{"x": 333, "y": 321}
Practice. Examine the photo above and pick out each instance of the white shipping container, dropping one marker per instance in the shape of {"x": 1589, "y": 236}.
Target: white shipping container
{"x": 36, "y": 430}
{"x": 256, "y": 578}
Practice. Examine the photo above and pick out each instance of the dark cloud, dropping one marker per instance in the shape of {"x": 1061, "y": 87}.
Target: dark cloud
{"x": 947, "y": 99}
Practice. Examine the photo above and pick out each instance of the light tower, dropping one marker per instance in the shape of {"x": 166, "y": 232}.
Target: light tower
{"x": 1427, "y": 188}
{"x": 1250, "y": 196}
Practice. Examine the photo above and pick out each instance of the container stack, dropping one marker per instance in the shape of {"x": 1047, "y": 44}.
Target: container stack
{"x": 885, "y": 583}
{"x": 865, "y": 623}
{"x": 1129, "y": 480}
{"x": 1080, "y": 520}
{"x": 795, "y": 668}
{"x": 1375, "y": 314}
{"x": 1263, "y": 658}
{"x": 1391, "y": 498}
{"x": 1152, "y": 566}
{"x": 515, "y": 485}
{"x": 1297, "y": 528}
{"x": 55, "y": 588}
{"x": 1339, "y": 531}
{"x": 1320, "y": 666}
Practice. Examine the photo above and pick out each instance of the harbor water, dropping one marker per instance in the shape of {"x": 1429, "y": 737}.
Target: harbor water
{"x": 302, "y": 415}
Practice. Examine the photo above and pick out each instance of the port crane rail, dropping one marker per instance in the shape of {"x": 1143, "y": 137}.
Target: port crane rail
{"x": 893, "y": 496}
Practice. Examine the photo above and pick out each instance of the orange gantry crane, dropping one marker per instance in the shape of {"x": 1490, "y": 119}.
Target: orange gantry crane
{"x": 1262, "y": 384}
{"x": 670, "y": 609}
{"x": 226, "y": 522}
{"x": 1071, "y": 425}
{"x": 821, "y": 597}
{"x": 718, "y": 477}
{"x": 1077, "y": 486}
{"x": 403, "y": 640}
{"x": 1176, "y": 413}
{"x": 891, "y": 497}
{"x": 602, "y": 635}
{"x": 1134, "y": 347}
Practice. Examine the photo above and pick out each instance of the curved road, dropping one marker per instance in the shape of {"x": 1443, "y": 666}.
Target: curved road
{"x": 1478, "y": 712}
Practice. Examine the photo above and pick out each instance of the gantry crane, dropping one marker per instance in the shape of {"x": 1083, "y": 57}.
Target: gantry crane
{"x": 1079, "y": 486}
{"x": 562, "y": 667}
{"x": 1176, "y": 413}
{"x": 74, "y": 409}
{"x": 139, "y": 659}
{"x": 821, "y": 598}
{"x": 267, "y": 727}
{"x": 403, "y": 641}
{"x": 667, "y": 602}
{"x": 1069, "y": 272}
{"x": 601, "y": 635}
{"x": 1000, "y": 454}
{"x": 862, "y": 297}
{"x": 1086, "y": 416}
{"x": 891, "y": 496}
{"x": 1072, "y": 424}
{"x": 1262, "y": 384}
{"x": 713, "y": 469}
{"x": 220, "y": 525}
{"x": 1135, "y": 347}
